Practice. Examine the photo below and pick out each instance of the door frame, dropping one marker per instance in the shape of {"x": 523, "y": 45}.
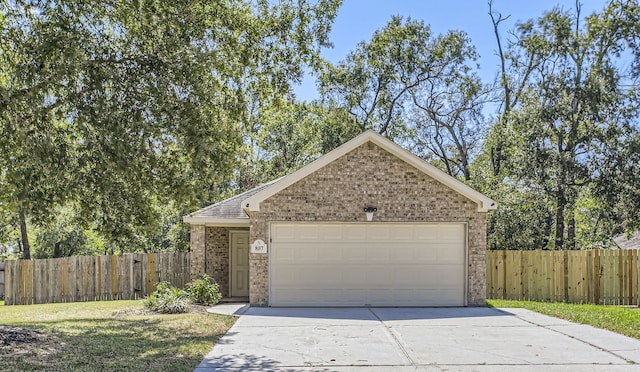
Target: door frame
{"x": 231, "y": 233}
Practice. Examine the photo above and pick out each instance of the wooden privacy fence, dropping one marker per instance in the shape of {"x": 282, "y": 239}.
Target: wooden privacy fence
{"x": 1, "y": 279}
{"x": 92, "y": 278}
{"x": 603, "y": 276}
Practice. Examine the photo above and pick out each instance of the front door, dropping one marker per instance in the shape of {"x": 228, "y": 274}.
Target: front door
{"x": 239, "y": 264}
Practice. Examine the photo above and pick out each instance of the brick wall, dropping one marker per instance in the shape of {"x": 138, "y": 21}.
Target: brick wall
{"x": 198, "y": 249}
{"x": 369, "y": 175}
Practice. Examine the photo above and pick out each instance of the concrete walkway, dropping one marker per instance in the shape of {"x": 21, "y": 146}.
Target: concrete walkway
{"x": 416, "y": 339}
{"x": 229, "y": 309}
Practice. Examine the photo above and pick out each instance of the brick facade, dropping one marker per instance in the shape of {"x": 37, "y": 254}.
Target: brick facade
{"x": 369, "y": 175}
{"x": 198, "y": 248}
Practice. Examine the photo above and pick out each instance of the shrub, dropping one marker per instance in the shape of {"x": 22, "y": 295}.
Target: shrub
{"x": 204, "y": 291}
{"x": 168, "y": 300}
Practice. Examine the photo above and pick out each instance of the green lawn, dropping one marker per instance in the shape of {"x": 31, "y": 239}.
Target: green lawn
{"x": 108, "y": 335}
{"x": 620, "y": 319}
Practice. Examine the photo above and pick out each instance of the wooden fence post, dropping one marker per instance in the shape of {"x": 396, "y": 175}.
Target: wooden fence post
{"x": 596, "y": 277}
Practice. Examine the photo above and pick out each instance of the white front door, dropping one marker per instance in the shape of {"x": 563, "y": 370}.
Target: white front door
{"x": 239, "y": 283}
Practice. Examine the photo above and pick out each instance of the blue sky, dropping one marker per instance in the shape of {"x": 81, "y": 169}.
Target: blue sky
{"x": 358, "y": 19}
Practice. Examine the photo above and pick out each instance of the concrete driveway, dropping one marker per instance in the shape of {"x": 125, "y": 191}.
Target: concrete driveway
{"x": 416, "y": 339}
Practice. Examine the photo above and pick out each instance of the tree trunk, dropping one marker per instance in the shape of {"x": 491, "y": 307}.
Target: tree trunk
{"x": 571, "y": 231}
{"x": 465, "y": 170}
{"x": 571, "y": 223}
{"x": 496, "y": 152}
{"x": 56, "y": 250}
{"x": 546, "y": 237}
{"x": 26, "y": 248}
{"x": 560, "y": 204}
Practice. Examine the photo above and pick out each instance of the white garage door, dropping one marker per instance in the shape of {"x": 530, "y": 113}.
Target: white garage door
{"x": 377, "y": 264}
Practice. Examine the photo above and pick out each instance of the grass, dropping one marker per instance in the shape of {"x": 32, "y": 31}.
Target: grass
{"x": 620, "y": 319}
{"x": 110, "y": 335}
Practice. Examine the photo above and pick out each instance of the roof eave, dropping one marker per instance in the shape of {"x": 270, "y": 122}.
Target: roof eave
{"x": 216, "y": 221}
{"x": 487, "y": 205}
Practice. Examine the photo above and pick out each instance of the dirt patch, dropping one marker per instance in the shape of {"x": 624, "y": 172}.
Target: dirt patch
{"x": 17, "y": 341}
{"x": 16, "y": 336}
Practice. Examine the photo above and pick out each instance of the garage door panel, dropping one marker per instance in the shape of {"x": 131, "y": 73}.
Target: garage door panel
{"x": 319, "y": 297}
{"x": 403, "y": 233}
{"x": 377, "y": 232}
{"x": 428, "y": 233}
{"x": 389, "y": 264}
{"x": 449, "y": 232}
{"x": 403, "y": 254}
{"x": 285, "y": 253}
{"x": 381, "y": 297}
{"x": 283, "y": 232}
{"x": 354, "y": 233}
{"x": 311, "y": 233}
{"x": 447, "y": 253}
{"x": 356, "y": 276}
{"x": 306, "y": 276}
{"x": 427, "y": 256}
{"x": 332, "y": 233}
{"x": 332, "y": 252}
{"x": 412, "y": 276}
{"x": 379, "y": 276}
{"x": 353, "y": 252}
{"x": 308, "y": 252}
{"x": 377, "y": 252}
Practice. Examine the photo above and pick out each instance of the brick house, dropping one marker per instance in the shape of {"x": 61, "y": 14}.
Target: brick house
{"x": 366, "y": 224}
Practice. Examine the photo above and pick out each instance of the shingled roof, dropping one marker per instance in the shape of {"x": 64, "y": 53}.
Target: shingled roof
{"x": 633, "y": 242}
{"x": 228, "y": 210}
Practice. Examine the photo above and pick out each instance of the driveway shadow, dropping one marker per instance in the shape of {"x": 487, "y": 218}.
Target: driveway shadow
{"x": 375, "y": 313}
{"x": 244, "y": 362}
{"x": 424, "y": 313}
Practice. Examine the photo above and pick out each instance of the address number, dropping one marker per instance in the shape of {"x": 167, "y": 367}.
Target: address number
{"x": 259, "y": 246}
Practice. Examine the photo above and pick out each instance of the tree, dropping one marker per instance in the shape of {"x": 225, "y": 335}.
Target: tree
{"x": 449, "y": 121}
{"x": 63, "y": 237}
{"x": 414, "y": 87}
{"x": 293, "y": 134}
{"x": 374, "y": 82}
{"x": 575, "y": 109}
{"x": 121, "y": 105}
{"x": 516, "y": 66}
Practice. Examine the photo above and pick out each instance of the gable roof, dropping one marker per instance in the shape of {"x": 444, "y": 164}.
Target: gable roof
{"x": 227, "y": 212}
{"x": 252, "y": 203}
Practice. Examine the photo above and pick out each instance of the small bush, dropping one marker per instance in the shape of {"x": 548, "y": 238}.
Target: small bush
{"x": 204, "y": 291}
{"x": 168, "y": 300}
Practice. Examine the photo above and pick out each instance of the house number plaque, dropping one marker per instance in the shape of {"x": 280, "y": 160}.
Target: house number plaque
{"x": 258, "y": 246}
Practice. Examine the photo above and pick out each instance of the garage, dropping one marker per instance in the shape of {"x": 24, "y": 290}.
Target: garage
{"x": 367, "y": 264}
{"x": 368, "y": 223}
